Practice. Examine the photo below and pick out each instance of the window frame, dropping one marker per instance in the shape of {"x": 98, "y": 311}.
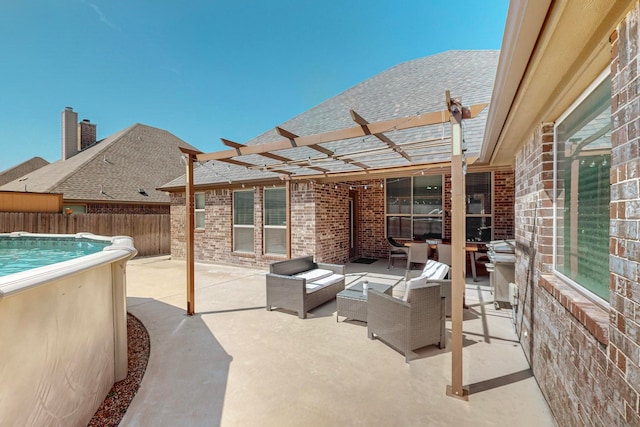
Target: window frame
{"x": 481, "y": 215}
{"x": 197, "y": 210}
{"x": 577, "y": 103}
{"x": 75, "y": 209}
{"x": 266, "y": 227}
{"x": 242, "y": 226}
{"x": 411, "y": 214}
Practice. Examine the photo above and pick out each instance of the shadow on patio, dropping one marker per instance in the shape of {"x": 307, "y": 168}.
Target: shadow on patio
{"x": 234, "y": 363}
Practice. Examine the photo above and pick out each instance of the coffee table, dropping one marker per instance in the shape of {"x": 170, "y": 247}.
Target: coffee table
{"x": 352, "y": 303}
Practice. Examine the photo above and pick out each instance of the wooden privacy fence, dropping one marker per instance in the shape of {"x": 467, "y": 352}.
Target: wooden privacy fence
{"x": 151, "y": 232}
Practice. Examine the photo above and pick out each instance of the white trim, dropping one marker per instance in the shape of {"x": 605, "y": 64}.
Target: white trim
{"x": 522, "y": 28}
{"x": 265, "y": 226}
{"x": 603, "y": 75}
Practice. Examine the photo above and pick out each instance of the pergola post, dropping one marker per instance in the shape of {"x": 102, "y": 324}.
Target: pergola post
{"x": 189, "y": 233}
{"x": 458, "y": 238}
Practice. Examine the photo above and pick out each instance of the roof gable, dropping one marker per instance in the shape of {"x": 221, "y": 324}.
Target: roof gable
{"x": 22, "y": 169}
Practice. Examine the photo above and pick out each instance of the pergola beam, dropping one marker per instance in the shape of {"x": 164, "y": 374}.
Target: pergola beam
{"x": 410, "y": 122}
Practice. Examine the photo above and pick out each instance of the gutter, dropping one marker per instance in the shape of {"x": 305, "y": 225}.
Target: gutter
{"x": 522, "y": 28}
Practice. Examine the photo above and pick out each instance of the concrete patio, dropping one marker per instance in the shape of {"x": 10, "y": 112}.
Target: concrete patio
{"x": 236, "y": 364}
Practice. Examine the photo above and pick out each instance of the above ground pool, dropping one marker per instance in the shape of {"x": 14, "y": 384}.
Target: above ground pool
{"x": 20, "y": 252}
{"x": 63, "y": 311}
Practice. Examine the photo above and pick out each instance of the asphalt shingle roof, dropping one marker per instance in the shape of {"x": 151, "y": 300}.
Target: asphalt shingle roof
{"x": 22, "y": 169}
{"x": 139, "y": 157}
{"x": 408, "y": 89}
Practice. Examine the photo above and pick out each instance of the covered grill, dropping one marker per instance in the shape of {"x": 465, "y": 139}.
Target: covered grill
{"x": 502, "y": 270}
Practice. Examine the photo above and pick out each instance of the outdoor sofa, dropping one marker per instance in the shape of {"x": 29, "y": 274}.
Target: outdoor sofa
{"x": 300, "y": 284}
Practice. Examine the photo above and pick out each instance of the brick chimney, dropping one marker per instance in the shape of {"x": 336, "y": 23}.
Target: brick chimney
{"x": 69, "y": 133}
{"x": 76, "y": 136}
{"x": 86, "y": 134}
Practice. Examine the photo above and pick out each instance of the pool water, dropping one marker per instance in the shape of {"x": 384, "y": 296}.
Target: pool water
{"x": 24, "y": 253}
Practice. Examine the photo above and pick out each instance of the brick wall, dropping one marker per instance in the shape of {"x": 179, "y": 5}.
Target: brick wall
{"x": 624, "y": 330}
{"x": 178, "y": 235}
{"x": 122, "y": 208}
{"x": 319, "y": 222}
{"x": 332, "y": 223}
{"x": 303, "y": 219}
{"x": 319, "y": 226}
{"x": 503, "y": 204}
{"x": 585, "y": 357}
{"x": 372, "y": 242}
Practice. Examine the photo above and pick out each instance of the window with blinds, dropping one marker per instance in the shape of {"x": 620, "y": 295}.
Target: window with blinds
{"x": 243, "y": 221}
{"x": 199, "y": 211}
{"x": 275, "y": 221}
{"x": 582, "y": 189}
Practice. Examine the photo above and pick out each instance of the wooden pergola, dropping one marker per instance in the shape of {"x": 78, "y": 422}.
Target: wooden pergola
{"x": 365, "y": 150}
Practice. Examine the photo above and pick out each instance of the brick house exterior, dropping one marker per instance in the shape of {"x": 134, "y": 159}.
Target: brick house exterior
{"x": 584, "y": 354}
{"x": 319, "y": 221}
{"x": 325, "y": 181}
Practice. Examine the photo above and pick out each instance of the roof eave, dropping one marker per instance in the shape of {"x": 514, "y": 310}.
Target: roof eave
{"x": 525, "y": 19}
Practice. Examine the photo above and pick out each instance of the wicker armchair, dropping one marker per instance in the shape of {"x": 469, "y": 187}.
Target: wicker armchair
{"x": 408, "y": 325}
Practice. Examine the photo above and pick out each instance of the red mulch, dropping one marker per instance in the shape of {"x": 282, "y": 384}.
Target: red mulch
{"x": 115, "y": 405}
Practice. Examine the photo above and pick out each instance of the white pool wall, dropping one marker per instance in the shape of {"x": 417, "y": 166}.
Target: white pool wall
{"x": 63, "y": 336}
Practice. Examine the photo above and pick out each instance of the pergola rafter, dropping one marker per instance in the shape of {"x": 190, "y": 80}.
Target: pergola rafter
{"x": 390, "y": 151}
{"x": 364, "y": 124}
{"x": 380, "y": 127}
{"x": 329, "y": 153}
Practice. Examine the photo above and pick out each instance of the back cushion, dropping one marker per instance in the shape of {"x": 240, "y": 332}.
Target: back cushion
{"x": 292, "y": 266}
{"x": 412, "y": 284}
{"x": 435, "y": 270}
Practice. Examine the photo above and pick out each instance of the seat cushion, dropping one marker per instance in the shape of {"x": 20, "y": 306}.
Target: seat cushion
{"x": 324, "y": 282}
{"x": 312, "y": 287}
{"x": 314, "y": 275}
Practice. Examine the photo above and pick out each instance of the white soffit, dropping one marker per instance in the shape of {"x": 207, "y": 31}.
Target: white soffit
{"x": 572, "y": 49}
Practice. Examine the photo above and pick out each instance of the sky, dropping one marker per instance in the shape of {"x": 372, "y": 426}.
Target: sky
{"x": 207, "y": 69}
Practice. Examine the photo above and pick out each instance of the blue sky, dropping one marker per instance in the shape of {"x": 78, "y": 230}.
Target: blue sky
{"x": 205, "y": 70}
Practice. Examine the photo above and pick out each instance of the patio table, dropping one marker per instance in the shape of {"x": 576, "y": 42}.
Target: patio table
{"x": 352, "y": 302}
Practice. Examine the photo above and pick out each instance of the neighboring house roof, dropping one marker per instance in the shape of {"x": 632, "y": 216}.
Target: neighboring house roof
{"x": 408, "y": 89}
{"x": 22, "y": 169}
{"x": 137, "y": 158}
